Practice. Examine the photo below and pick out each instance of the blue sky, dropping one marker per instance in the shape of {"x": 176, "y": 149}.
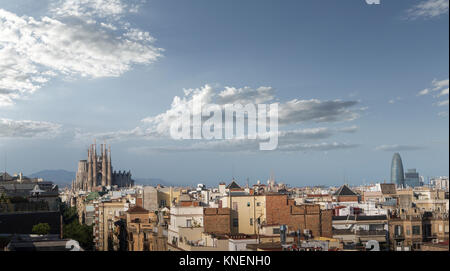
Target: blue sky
{"x": 90, "y": 70}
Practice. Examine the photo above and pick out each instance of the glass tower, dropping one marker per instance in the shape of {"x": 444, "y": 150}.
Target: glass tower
{"x": 397, "y": 174}
{"x": 412, "y": 178}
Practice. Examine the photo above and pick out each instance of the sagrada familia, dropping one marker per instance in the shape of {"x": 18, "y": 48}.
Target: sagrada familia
{"x": 96, "y": 172}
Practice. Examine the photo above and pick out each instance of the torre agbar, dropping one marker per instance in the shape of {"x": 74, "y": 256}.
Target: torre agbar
{"x": 397, "y": 174}
{"x": 96, "y": 172}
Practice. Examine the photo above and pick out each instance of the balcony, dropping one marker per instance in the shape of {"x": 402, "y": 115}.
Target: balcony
{"x": 372, "y": 233}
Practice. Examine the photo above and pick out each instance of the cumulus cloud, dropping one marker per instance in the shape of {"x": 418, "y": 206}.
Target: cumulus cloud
{"x": 394, "y": 148}
{"x": 291, "y": 113}
{"x": 28, "y": 129}
{"x": 84, "y": 38}
{"x": 428, "y": 9}
{"x": 246, "y": 95}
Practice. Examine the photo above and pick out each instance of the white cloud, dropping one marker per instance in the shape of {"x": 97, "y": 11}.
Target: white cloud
{"x": 441, "y": 88}
{"x": 90, "y": 8}
{"x": 246, "y": 95}
{"x": 28, "y": 129}
{"x": 443, "y": 92}
{"x": 290, "y": 113}
{"x": 428, "y": 9}
{"x": 442, "y": 103}
{"x": 424, "y": 92}
{"x": 78, "y": 38}
{"x": 314, "y": 110}
{"x": 396, "y": 147}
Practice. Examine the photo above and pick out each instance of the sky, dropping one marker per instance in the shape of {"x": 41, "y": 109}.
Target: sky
{"x": 355, "y": 83}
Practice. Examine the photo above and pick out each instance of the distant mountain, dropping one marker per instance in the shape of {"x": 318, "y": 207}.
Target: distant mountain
{"x": 64, "y": 178}
{"x": 60, "y": 177}
{"x": 151, "y": 182}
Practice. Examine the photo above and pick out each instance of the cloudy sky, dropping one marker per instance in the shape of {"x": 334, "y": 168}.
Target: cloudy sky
{"x": 354, "y": 84}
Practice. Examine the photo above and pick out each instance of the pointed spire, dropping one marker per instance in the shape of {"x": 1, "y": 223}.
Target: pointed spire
{"x": 88, "y": 185}
{"x": 104, "y": 166}
{"x": 109, "y": 167}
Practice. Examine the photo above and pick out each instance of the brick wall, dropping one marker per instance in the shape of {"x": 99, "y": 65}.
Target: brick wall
{"x": 347, "y": 198}
{"x": 217, "y": 220}
{"x": 326, "y": 222}
{"x": 280, "y": 210}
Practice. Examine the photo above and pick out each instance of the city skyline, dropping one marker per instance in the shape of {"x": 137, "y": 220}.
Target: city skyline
{"x": 351, "y": 92}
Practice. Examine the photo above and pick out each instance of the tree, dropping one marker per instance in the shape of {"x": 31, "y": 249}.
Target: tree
{"x": 81, "y": 233}
{"x": 4, "y": 198}
{"x": 69, "y": 213}
{"x": 41, "y": 228}
{"x": 72, "y": 229}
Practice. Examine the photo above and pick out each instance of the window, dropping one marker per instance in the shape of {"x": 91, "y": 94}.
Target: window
{"x": 248, "y": 204}
{"x": 440, "y": 228}
{"x": 258, "y": 204}
{"x": 235, "y": 206}
{"x": 398, "y": 230}
{"x": 188, "y": 223}
{"x": 162, "y": 203}
{"x": 416, "y": 230}
{"x": 276, "y": 231}
{"x": 235, "y": 222}
{"x": 251, "y": 221}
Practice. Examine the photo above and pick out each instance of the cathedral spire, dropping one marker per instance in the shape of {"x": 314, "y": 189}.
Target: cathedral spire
{"x": 94, "y": 166}
{"x": 109, "y": 166}
{"x": 104, "y": 167}
{"x": 88, "y": 185}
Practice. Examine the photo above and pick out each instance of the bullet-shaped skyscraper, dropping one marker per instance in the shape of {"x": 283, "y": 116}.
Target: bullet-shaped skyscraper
{"x": 397, "y": 174}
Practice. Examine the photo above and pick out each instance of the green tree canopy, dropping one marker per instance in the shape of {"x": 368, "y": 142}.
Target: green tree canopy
{"x": 41, "y": 228}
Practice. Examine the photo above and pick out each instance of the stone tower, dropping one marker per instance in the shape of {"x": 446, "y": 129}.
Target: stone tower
{"x": 104, "y": 167}
{"x": 109, "y": 168}
{"x": 88, "y": 185}
{"x": 94, "y": 166}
